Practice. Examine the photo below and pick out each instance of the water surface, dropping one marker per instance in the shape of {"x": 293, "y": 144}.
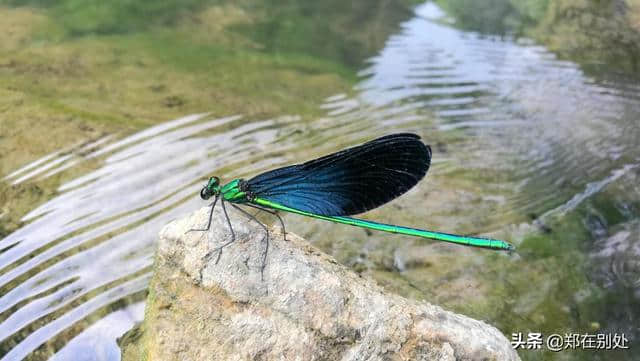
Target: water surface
{"x": 525, "y": 144}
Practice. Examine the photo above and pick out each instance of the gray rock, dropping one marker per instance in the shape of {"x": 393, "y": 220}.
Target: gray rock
{"x": 308, "y": 307}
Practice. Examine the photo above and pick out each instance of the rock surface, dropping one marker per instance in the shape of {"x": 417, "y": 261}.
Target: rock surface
{"x": 308, "y": 307}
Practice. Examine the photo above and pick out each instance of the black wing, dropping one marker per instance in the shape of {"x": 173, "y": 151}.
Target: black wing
{"x": 350, "y": 181}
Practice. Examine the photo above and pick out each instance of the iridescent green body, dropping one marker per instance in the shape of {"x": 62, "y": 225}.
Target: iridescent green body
{"x": 235, "y": 193}
{"x": 231, "y": 192}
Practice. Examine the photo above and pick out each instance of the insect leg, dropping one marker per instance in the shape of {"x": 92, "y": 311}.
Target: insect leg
{"x": 213, "y": 205}
{"x": 233, "y": 237}
{"x": 284, "y": 232}
{"x": 264, "y": 254}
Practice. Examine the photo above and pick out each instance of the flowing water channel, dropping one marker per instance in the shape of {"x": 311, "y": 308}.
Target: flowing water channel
{"x": 522, "y": 142}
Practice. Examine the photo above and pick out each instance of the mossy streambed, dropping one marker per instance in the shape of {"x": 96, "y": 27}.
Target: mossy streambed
{"x": 527, "y": 146}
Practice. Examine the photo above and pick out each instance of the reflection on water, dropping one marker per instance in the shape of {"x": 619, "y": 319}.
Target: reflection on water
{"x": 564, "y": 130}
{"x": 535, "y": 134}
{"x": 98, "y": 341}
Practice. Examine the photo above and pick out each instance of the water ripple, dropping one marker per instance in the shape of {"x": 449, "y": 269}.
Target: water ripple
{"x": 534, "y": 133}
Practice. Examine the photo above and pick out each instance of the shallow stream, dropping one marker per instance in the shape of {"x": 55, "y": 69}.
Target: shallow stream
{"x": 526, "y": 147}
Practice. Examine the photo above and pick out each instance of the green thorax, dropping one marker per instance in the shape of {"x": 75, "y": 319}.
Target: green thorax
{"x": 232, "y": 193}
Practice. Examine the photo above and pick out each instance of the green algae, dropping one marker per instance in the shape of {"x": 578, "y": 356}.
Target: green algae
{"x": 547, "y": 286}
{"x": 85, "y": 82}
{"x": 79, "y": 70}
{"x": 599, "y": 35}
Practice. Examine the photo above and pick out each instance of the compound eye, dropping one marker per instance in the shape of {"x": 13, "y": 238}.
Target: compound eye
{"x": 214, "y": 181}
{"x": 204, "y": 193}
